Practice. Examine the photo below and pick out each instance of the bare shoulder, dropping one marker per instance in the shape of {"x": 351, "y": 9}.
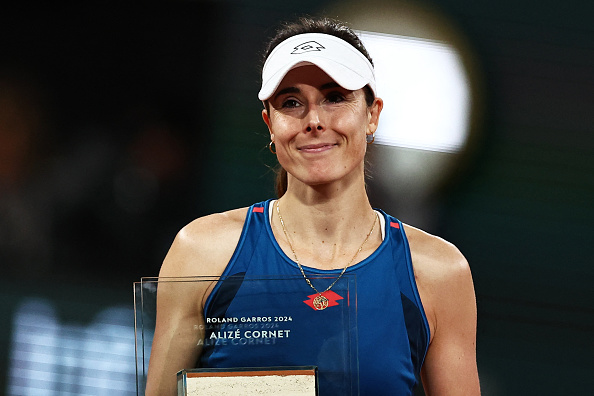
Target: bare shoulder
{"x": 435, "y": 259}
{"x": 443, "y": 279}
{"x": 445, "y": 285}
{"x": 204, "y": 246}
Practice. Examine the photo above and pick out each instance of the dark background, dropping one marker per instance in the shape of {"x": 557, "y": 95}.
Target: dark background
{"x": 119, "y": 125}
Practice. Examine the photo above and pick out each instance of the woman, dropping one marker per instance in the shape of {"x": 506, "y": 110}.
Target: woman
{"x": 415, "y": 297}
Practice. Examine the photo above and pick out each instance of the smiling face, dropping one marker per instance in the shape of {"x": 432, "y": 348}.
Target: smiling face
{"x": 319, "y": 128}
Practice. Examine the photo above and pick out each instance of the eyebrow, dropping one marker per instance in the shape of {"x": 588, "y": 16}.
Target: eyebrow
{"x": 287, "y": 90}
{"x": 290, "y": 90}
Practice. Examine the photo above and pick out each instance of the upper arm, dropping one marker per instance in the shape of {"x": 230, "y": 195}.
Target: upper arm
{"x": 450, "y": 365}
{"x": 204, "y": 247}
{"x": 447, "y": 293}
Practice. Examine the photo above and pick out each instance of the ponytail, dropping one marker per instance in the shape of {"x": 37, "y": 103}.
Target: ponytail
{"x": 280, "y": 184}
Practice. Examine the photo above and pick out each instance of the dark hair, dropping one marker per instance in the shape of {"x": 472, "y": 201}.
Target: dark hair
{"x": 320, "y": 25}
{"x": 314, "y": 25}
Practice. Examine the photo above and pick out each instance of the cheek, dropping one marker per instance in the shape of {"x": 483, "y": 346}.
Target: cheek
{"x": 280, "y": 125}
{"x": 281, "y": 131}
{"x": 281, "y": 136}
{"x": 356, "y": 123}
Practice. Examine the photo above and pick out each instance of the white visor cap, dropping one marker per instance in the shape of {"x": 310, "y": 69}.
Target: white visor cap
{"x": 337, "y": 58}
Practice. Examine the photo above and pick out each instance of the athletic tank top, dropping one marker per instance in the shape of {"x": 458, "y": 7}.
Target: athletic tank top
{"x": 392, "y": 329}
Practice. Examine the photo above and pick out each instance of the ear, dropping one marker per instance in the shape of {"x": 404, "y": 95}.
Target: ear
{"x": 266, "y": 119}
{"x": 374, "y": 113}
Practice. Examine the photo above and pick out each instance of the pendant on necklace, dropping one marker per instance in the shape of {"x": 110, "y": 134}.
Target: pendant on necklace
{"x": 320, "y": 302}
{"x": 323, "y": 300}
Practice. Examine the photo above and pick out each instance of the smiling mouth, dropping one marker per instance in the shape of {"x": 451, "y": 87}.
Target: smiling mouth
{"x": 316, "y": 148}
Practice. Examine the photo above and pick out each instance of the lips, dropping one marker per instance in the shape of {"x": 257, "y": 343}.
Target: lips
{"x": 316, "y": 148}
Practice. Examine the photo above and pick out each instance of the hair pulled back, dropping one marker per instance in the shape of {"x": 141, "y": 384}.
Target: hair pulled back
{"x": 316, "y": 25}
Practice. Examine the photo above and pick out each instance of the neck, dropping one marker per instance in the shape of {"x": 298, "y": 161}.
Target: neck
{"x": 326, "y": 224}
{"x": 328, "y": 205}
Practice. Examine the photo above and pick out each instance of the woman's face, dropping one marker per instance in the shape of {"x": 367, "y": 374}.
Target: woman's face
{"x": 318, "y": 127}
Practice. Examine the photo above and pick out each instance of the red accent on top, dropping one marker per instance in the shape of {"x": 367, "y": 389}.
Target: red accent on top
{"x": 395, "y": 225}
{"x": 258, "y": 209}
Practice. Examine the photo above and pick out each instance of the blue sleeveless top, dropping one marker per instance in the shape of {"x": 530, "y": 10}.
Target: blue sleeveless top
{"x": 392, "y": 330}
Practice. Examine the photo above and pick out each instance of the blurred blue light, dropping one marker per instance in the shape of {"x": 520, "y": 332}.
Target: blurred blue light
{"x": 48, "y": 357}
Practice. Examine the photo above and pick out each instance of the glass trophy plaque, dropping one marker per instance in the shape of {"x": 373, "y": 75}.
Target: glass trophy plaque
{"x": 256, "y": 326}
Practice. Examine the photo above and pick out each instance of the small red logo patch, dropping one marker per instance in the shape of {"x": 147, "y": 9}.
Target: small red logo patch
{"x": 258, "y": 209}
{"x": 329, "y": 294}
{"x": 394, "y": 225}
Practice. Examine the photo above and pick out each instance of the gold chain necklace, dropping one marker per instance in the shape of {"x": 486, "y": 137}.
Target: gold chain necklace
{"x": 321, "y": 302}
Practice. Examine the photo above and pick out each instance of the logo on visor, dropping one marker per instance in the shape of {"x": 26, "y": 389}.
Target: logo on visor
{"x": 308, "y": 46}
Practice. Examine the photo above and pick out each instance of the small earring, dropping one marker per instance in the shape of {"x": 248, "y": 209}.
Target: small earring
{"x": 270, "y": 148}
{"x": 372, "y": 138}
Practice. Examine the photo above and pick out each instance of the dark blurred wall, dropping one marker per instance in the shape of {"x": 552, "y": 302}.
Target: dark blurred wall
{"x": 110, "y": 172}
{"x": 524, "y": 214}
{"x": 121, "y": 125}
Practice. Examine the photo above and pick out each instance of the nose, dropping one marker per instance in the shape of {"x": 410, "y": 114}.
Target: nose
{"x": 313, "y": 120}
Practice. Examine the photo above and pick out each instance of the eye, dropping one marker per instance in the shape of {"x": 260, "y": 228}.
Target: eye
{"x": 335, "y": 97}
{"x": 290, "y": 103}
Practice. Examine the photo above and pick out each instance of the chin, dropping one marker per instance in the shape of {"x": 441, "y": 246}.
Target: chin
{"x": 323, "y": 179}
